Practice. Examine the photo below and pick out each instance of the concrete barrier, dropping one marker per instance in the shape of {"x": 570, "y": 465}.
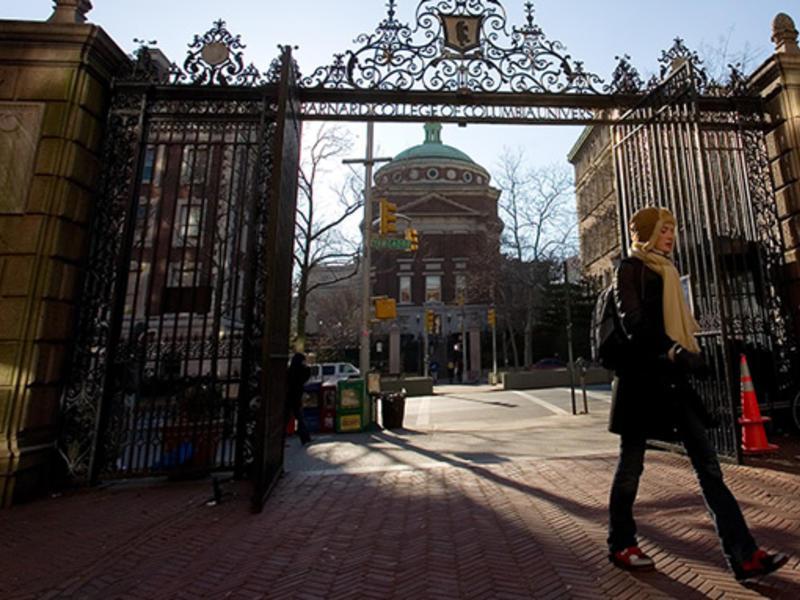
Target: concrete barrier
{"x": 415, "y": 386}
{"x": 546, "y": 378}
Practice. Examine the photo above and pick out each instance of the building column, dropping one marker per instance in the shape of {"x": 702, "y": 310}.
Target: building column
{"x": 54, "y": 82}
{"x": 778, "y": 82}
{"x": 474, "y": 354}
{"x": 394, "y": 350}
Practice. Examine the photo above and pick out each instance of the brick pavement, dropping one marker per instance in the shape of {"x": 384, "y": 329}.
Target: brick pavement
{"x": 526, "y": 528}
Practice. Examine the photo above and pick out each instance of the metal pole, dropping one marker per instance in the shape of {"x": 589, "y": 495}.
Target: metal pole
{"x": 425, "y": 343}
{"x": 494, "y": 350}
{"x": 569, "y": 338}
{"x": 367, "y": 267}
{"x": 583, "y": 388}
{"x": 463, "y": 346}
{"x": 368, "y": 162}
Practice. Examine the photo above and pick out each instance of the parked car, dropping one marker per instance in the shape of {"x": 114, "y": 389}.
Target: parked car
{"x": 549, "y": 363}
{"x": 333, "y": 371}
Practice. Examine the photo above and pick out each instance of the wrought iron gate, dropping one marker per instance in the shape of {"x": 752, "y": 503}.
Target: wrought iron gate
{"x": 708, "y": 166}
{"x": 277, "y": 303}
{"x": 189, "y": 236}
{"x": 181, "y": 344}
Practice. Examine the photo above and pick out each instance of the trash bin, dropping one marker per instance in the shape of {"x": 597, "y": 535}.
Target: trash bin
{"x": 393, "y": 409}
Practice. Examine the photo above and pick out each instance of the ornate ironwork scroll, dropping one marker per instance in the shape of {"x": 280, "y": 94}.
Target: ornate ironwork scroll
{"x": 142, "y": 67}
{"x": 161, "y": 364}
{"x": 250, "y": 394}
{"x": 216, "y": 58}
{"x": 83, "y": 392}
{"x": 625, "y": 79}
{"x": 457, "y": 46}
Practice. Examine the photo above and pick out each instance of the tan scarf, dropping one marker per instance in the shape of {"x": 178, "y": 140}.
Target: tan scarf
{"x": 679, "y": 323}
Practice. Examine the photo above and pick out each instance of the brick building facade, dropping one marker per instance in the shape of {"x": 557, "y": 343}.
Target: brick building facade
{"x": 448, "y": 199}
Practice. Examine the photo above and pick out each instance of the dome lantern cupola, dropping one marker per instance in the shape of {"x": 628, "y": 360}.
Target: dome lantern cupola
{"x": 433, "y": 148}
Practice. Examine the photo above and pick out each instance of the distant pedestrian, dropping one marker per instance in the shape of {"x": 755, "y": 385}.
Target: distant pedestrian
{"x": 299, "y": 373}
{"x": 653, "y": 399}
{"x": 434, "y": 369}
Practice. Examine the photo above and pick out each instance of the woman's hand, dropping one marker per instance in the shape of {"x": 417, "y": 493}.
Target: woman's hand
{"x": 691, "y": 361}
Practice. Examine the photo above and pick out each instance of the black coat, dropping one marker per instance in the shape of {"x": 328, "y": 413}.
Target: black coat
{"x": 298, "y": 375}
{"x": 649, "y": 390}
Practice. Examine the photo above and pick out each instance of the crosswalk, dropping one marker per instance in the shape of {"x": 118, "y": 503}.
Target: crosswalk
{"x": 543, "y": 403}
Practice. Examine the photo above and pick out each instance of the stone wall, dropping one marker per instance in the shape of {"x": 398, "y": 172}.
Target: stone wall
{"x": 54, "y": 81}
{"x": 778, "y": 82}
{"x": 597, "y": 204}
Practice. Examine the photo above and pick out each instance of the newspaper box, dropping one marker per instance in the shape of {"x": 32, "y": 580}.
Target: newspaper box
{"x": 352, "y": 407}
{"x": 311, "y": 403}
{"x": 327, "y": 411}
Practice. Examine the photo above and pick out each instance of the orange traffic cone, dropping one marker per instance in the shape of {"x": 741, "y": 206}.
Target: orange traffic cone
{"x": 754, "y": 439}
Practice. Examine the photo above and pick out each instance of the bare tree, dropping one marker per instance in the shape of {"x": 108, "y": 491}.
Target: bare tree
{"x": 718, "y": 57}
{"x": 319, "y": 239}
{"x": 538, "y": 209}
{"x": 340, "y": 317}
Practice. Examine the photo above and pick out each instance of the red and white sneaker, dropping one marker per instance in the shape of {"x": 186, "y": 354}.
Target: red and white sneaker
{"x": 633, "y": 559}
{"x": 760, "y": 564}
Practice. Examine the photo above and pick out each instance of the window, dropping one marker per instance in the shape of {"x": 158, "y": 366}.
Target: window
{"x": 187, "y": 226}
{"x": 461, "y": 287}
{"x": 181, "y": 275}
{"x": 149, "y": 163}
{"x": 405, "y": 290}
{"x": 433, "y": 288}
{"x": 193, "y": 165}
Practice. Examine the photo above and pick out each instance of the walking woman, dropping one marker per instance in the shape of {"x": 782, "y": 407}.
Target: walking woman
{"x": 653, "y": 399}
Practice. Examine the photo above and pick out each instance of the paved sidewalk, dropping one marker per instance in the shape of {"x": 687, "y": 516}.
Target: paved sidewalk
{"x": 505, "y": 524}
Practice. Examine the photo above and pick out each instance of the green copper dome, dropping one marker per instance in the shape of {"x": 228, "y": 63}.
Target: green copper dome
{"x": 433, "y": 147}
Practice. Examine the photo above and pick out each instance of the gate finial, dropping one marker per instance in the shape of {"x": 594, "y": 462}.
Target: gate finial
{"x": 784, "y": 34}
{"x": 70, "y": 11}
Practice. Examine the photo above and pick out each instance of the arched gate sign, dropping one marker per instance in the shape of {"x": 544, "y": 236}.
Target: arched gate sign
{"x": 183, "y": 337}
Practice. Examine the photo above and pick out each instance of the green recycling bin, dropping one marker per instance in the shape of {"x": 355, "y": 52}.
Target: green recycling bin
{"x": 352, "y": 406}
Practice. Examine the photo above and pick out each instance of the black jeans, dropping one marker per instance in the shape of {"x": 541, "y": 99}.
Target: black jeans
{"x": 737, "y": 543}
{"x": 302, "y": 428}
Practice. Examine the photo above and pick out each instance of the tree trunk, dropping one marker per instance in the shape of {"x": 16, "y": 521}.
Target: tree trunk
{"x": 514, "y": 350}
{"x": 302, "y": 314}
{"x": 529, "y": 335}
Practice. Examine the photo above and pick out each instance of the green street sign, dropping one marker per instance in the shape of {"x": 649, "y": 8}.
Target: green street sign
{"x": 380, "y": 243}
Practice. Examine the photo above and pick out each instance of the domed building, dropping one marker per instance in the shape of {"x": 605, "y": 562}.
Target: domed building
{"x": 447, "y": 197}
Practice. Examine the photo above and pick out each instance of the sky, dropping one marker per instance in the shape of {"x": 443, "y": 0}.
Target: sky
{"x": 593, "y": 32}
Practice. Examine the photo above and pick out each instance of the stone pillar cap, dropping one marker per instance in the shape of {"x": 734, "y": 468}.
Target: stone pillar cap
{"x": 784, "y": 34}
{"x": 70, "y": 11}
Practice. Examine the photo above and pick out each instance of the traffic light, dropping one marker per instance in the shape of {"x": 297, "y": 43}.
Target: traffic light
{"x": 430, "y": 320}
{"x": 492, "y": 317}
{"x": 388, "y": 217}
{"x": 412, "y": 236}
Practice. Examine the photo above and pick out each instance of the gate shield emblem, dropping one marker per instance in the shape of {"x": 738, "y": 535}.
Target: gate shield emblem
{"x": 462, "y": 33}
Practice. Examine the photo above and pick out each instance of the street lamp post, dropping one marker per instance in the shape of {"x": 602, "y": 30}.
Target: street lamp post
{"x": 494, "y": 348}
{"x": 569, "y": 337}
{"x": 366, "y": 274}
{"x": 425, "y": 343}
{"x": 463, "y": 342}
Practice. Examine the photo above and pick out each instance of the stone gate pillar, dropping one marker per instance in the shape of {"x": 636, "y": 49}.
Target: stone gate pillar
{"x": 474, "y": 354}
{"x": 778, "y": 82}
{"x": 54, "y": 82}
